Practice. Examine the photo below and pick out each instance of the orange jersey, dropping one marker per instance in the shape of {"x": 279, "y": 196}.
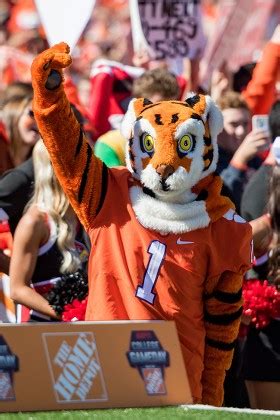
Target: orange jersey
{"x": 136, "y": 273}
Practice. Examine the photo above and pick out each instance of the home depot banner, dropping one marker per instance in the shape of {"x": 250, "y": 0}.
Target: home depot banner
{"x": 172, "y": 29}
{"x": 87, "y": 365}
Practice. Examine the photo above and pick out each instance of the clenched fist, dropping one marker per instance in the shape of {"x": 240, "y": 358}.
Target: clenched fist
{"x": 46, "y": 69}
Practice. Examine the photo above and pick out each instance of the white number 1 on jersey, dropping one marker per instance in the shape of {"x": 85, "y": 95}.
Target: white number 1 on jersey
{"x": 157, "y": 251}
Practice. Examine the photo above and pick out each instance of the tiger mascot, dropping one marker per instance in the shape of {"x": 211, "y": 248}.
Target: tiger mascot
{"x": 166, "y": 243}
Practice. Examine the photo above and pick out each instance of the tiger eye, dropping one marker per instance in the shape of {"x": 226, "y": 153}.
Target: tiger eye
{"x": 185, "y": 143}
{"x": 148, "y": 143}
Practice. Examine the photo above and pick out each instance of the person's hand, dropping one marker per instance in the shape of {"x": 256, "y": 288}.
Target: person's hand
{"x": 256, "y": 141}
{"x": 246, "y": 319}
{"x": 220, "y": 83}
{"x": 47, "y": 67}
{"x": 141, "y": 59}
{"x": 262, "y": 234}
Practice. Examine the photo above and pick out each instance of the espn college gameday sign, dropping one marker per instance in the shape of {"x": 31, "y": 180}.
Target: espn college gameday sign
{"x": 57, "y": 366}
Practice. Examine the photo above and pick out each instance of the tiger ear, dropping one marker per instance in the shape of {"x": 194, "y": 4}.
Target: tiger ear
{"x": 209, "y": 111}
{"x": 214, "y": 116}
{"x": 135, "y": 107}
{"x": 193, "y": 99}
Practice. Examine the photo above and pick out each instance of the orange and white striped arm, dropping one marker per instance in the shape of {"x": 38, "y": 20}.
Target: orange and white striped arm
{"x": 82, "y": 176}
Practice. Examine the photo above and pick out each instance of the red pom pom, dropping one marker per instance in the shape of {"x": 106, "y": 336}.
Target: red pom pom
{"x": 261, "y": 302}
{"x": 75, "y": 311}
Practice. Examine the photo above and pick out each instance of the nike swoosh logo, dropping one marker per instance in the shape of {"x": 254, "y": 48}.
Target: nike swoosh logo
{"x": 180, "y": 242}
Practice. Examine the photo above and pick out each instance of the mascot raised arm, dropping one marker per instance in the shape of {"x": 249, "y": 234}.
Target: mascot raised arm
{"x": 166, "y": 244}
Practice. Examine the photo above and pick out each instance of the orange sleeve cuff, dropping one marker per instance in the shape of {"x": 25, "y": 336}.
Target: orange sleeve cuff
{"x": 238, "y": 165}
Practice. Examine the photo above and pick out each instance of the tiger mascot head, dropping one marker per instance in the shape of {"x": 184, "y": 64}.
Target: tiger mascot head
{"x": 172, "y": 145}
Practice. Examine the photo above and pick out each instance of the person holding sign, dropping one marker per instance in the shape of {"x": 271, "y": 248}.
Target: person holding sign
{"x": 167, "y": 33}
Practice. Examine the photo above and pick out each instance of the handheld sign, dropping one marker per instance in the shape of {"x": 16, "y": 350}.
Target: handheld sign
{"x": 173, "y": 29}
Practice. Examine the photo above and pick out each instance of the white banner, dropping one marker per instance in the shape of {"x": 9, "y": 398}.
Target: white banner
{"x": 64, "y": 20}
{"x": 173, "y": 29}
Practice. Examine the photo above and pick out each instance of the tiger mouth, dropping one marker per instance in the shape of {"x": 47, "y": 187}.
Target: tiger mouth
{"x": 164, "y": 185}
{"x": 149, "y": 192}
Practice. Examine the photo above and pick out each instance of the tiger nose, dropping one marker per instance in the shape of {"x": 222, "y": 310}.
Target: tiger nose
{"x": 165, "y": 171}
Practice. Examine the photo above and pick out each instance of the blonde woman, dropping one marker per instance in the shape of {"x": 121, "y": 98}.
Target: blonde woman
{"x": 21, "y": 131}
{"x": 44, "y": 243}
